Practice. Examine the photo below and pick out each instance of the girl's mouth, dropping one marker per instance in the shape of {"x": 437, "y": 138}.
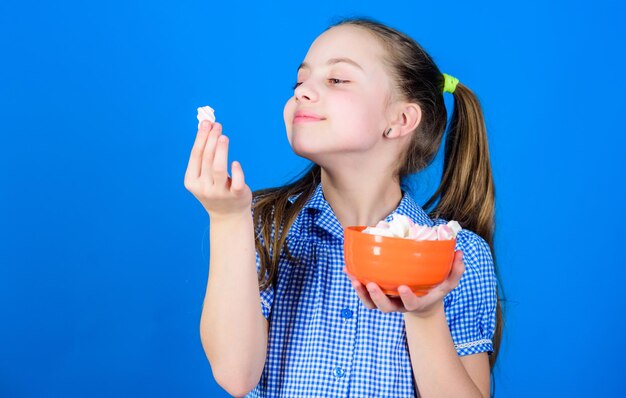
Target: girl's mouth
{"x": 303, "y": 119}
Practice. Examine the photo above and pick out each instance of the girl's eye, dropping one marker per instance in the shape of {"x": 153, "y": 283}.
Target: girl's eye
{"x": 337, "y": 81}
{"x": 333, "y": 81}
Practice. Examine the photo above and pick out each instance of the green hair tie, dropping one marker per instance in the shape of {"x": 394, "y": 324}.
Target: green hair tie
{"x": 449, "y": 83}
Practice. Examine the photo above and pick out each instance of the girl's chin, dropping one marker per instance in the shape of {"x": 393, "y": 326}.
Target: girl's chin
{"x": 304, "y": 145}
{"x": 313, "y": 153}
{"x": 304, "y": 153}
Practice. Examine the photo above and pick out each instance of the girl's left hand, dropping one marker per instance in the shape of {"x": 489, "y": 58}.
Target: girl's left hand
{"x": 373, "y": 297}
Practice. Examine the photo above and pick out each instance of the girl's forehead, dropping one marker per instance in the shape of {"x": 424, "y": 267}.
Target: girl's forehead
{"x": 345, "y": 42}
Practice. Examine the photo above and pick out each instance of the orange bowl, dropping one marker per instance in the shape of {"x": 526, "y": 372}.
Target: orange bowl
{"x": 391, "y": 262}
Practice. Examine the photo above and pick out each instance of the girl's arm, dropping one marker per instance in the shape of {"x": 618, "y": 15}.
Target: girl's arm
{"x": 233, "y": 329}
{"x": 438, "y": 370}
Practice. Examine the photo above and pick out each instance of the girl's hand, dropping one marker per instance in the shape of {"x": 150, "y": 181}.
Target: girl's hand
{"x": 424, "y": 306}
{"x": 207, "y": 176}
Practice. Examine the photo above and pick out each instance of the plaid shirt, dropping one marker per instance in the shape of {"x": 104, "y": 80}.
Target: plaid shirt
{"x": 323, "y": 342}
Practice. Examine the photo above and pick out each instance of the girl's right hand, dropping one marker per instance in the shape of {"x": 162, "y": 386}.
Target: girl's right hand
{"x": 207, "y": 176}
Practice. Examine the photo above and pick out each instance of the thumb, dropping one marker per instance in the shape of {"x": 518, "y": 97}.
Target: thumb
{"x": 458, "y": 268}
{"x": 238, "y": 181}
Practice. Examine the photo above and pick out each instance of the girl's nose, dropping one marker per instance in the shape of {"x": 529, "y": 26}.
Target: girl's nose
{"x": 305, "y": 93}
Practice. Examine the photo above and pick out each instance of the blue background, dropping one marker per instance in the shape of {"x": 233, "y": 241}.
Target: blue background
{"x": 104, "y": 253}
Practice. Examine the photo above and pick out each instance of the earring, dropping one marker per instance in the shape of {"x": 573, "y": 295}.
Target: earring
{"x": 387, "y": 132}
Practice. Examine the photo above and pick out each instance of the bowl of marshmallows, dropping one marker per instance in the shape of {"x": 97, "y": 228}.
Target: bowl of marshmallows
{"x": 401, "y": 252}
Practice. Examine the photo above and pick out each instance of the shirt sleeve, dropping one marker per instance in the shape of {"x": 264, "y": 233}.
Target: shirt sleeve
{"x": 471, "y": 307}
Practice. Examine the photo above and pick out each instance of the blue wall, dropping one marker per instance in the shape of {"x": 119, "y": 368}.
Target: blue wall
{"x": 104, "y": 253}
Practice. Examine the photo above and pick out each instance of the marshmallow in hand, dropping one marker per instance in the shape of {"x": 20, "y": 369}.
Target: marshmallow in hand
{"x": 206, "y": 113}
{"x": 402, "y": 226}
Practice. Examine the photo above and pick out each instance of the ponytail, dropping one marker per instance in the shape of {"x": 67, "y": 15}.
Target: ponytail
{"x": 467, "y": 193}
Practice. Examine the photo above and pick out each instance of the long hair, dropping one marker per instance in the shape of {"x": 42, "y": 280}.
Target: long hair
{"x": 466, "y": 192}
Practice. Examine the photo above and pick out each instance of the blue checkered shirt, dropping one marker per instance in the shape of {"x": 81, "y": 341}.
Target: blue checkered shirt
{"x": 323, "y": 342}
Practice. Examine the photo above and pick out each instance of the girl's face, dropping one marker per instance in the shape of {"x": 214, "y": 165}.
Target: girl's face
{"x": 342, "y": 81}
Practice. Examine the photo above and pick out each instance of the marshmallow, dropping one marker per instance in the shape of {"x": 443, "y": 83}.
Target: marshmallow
{"x": 414, "y": 231}
{"x": 444, "y": 232}
{"x": 456, "y": 227}
{"x": 427, "y": 233}
{"x": 399, "y": 225}
{"x": 402, "y": 226}
{"x": 378, "y": 231}
{"x": 431, "y": 234}
{"x": 206, "y": 113}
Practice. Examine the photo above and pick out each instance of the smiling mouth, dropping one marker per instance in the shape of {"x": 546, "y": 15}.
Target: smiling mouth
{"x": 299, "y": 119}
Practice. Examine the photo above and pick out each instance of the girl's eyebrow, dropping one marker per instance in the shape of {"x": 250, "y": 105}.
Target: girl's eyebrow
{"x": 333, "y": 61}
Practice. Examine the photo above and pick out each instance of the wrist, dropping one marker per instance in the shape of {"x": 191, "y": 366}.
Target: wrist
{"x": 433, "y": 312}
{"x": 231, "y": 218}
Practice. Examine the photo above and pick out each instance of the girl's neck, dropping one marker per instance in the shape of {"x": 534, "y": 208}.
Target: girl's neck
{"x": 360, "y": 199}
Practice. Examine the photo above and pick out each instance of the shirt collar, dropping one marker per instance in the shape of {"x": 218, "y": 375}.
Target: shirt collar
{"x": 327, "y": 220}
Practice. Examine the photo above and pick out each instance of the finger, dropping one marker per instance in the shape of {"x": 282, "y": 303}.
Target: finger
{"x": 209, "y": 152}
{"x": 380, "y": 298}
{"x": 456, "y": 272}
{"x": 361, "y": 291}
{"x": 458, "y": 268}
{"x": 195, "y": 158}
{"x": 409, "y": 299}
{"x": 220, "y": 163}
{"x": 238, "y": 182}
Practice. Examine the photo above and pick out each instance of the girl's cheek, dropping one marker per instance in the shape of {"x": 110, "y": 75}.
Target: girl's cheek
{"x": 289, "y": 110}
{"x": 346, "y": 99}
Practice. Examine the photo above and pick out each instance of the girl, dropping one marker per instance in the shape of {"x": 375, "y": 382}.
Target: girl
{"x": 367, "y": 110}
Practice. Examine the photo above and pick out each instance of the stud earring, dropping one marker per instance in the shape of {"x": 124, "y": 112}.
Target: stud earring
{"x": 387, "y": 132}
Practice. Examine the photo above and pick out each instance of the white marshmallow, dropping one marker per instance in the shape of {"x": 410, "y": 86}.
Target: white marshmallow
{"x": 206, "y": 113}
{"x": 400, "y": 225}
{"x": 455, "y": 226}
{"x": 378, "y": 231}
{"x": 444, "y": 232}
{"x": 423, "y": 233}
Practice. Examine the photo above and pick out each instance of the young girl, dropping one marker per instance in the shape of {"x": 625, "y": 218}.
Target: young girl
{"x": 367, "y": 110}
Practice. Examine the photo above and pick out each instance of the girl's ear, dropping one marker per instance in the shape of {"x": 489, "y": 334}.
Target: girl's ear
{"x": 408, "y": 118}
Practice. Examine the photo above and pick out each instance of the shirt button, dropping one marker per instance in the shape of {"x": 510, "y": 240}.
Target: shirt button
{"x": 339, "y": 372}
{"x": 346, "y": 313}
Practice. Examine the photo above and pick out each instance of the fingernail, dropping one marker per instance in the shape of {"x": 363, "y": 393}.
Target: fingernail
{"x": 204, "y": 125}
{"x": 370, "y": 288}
